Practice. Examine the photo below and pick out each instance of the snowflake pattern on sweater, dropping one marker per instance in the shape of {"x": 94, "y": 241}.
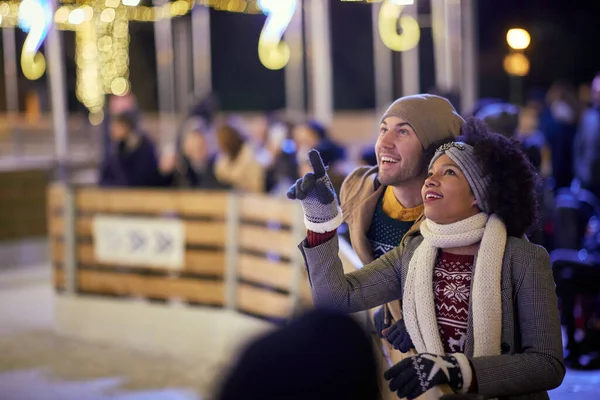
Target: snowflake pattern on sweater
{"x": 452, "y": 288}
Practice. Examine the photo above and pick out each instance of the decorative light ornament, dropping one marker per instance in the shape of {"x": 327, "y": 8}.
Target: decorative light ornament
{"x": 273, "y": 52}
{"x": 390, "y": 19}
{"x": 35, "y": 18}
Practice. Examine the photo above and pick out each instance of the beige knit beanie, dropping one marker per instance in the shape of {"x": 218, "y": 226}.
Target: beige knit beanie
{"x": 432, "y": 117}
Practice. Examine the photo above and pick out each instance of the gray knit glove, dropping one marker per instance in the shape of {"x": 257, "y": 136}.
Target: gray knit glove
{"x": 319, "y": 202}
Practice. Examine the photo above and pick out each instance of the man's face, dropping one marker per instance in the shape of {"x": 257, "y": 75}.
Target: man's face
{"x": 399, "y": 152}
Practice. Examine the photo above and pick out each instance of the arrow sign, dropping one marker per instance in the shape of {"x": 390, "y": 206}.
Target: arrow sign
{"x": 164, "y": 243}
{"x": 137, "y": 241}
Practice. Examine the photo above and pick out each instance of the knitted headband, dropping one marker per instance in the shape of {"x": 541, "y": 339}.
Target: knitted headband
{"x": 463, "y": 155}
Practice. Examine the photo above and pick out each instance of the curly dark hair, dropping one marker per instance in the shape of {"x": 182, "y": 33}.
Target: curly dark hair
{"x": 514, "y": 180}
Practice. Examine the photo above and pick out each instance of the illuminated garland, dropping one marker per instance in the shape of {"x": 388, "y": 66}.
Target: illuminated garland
{"x": 9, "y": 10}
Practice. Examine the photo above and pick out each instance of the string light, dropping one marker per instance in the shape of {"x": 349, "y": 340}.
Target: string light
{"x": 9, "y": 9}
{"x": 88, "y": 88}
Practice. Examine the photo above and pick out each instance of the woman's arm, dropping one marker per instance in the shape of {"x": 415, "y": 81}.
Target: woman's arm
{"x": 540, "y": 365}
{"x": 374, "y": 284}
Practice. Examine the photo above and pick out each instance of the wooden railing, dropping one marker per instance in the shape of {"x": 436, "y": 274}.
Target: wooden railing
{"x": 22, "y": 203}
{"x": 240, "y": 250}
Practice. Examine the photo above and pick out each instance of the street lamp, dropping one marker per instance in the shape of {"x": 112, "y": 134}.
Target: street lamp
{"x": 518, "y": 39}
{"x": 516, "y": 64}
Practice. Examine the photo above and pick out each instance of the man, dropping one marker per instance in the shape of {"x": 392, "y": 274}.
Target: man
{"x": 382, "y": 204}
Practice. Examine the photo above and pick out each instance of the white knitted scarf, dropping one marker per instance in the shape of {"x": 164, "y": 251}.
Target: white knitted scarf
{"x": 486, "y": 305}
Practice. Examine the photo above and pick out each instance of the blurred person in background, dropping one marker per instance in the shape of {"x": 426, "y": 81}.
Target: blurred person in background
{"x": 275, "y": 151}
{"x": 131, "y": 159}
{"x": 507, "y": 120}
{"x": 586, "y": 150}
{"x": 236, "y": 164}
{"x": 534, "y": 141}
{"x": 192, "y": 165}
{"x": 368, "y": 157}
{"x": 563, "y": 106}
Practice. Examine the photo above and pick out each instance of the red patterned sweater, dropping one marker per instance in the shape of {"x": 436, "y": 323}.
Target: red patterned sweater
{"x": 452, "y": 289}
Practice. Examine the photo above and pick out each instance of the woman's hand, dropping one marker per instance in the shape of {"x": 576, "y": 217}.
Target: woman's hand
{"x": 167, "y": 163}
{"x": 415, "y": 375}
{"x": 317, "y": 196}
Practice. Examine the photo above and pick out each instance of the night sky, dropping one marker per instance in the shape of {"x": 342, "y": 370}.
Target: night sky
{"x": 565, "y": 46}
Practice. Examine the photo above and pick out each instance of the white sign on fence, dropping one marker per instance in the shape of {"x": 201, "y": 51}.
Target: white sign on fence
{"x": 141, "y": 242}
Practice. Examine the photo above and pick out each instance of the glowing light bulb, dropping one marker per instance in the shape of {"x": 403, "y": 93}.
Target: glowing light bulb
{"x": 76, "y": 17}
{"x": 518, "y": 39}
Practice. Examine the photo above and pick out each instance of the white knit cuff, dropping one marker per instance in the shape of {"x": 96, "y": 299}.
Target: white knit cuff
{"x": 465, "y": 370}
{"x": 328, "y": 226}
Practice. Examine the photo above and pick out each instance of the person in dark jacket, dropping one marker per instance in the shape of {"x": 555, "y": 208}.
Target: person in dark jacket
{"x": 131, "y": 161}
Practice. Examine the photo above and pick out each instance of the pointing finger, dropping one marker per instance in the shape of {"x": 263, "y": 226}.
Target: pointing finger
{"x": 317, "y": 163}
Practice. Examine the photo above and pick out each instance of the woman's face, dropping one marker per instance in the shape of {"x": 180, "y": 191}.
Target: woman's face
{"x": 447, "y": 197}
{"x": 194, "y": 147}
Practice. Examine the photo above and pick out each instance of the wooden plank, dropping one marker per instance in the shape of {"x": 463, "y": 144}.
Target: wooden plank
{"x": 267, "y": 240}
{"x": 56, "y": 196}
{"x": 57, "y": 251}
{"x": 204, "y": 262}
{"x": 58, "y": 278}
{"x": 305, "y": 293}
{"x": 83, "y": 225}
{"x": 193, "y": 203}
{"x": 263, "y": 302}
{"x": 262, "y": 208}
{"x": 56, "y": 225}
{"x": 206, "y": 233}
{"x": 207, "y": 292}
{"x": 260, "y": 270}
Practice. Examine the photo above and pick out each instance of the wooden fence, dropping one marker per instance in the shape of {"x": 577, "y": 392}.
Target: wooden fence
{"x": 240, "y": 250}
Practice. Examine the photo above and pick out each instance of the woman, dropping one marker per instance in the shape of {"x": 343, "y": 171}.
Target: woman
{"x": 193, "y": 165}
{"x": 236, "y": 164}
{"x": 479, "y": 300}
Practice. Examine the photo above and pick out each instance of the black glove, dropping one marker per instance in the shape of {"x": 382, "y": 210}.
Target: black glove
{"x": 398, "y": 337}
{"x": 379, "y": 321}
{"x": 415, "y": 375}
{"x": 319, "y": 202}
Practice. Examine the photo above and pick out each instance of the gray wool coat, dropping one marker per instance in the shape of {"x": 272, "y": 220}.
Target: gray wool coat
{"x": 531, "y": 360}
